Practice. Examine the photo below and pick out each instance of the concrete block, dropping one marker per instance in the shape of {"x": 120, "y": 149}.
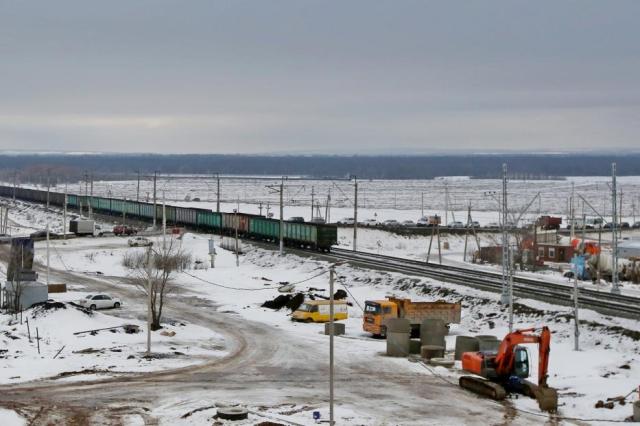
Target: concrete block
{"x": 398, "y": 325}
{"x": 338, "y": 329}
{"x": 466, "y": 344}
{"x": 431, "y": 351}
{"x": 414, "y": 346}
{"x": 398, "y": 344}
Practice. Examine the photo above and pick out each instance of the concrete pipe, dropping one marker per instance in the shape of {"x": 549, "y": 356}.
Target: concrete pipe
{"x": 433, "y": 339}
{"x": 431, "y": 351}
{"x": 433, "y": 324}
{"x": 398, "y": 325}
{"x": 414, "y": 346}
{"x": 232, "y": 413}
{"x": 398, "y": 344}
{"x": 466, "y": 344}
{"x": 636, "y": 411}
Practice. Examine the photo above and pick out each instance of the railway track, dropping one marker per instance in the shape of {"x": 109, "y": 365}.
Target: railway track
{"x": 523, "y": 287}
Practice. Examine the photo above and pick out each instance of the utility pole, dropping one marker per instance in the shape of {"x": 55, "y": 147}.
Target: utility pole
{"x": 164, "y": 223}
{"x": 15, "y": 179}
{"x": 421, "y": 205}
{"x": 155, "y": 208}
{"x": 64, "y": 214}
{"x": 138, "y": 188}
{"x": 576, "y": 331}
{"x": 48, "y": 188}
{"x": 571, "y": 211}
{"x": 260, "y": 207}
{"x": 48, "y": 259}
{"x": 355, "y": 214}
{"x": 235, "y": 220}
{"x": 91, "y": 198}
{"x": 124, "y": 212}
{"x": 218, "y": 193}
{"x": 149, "y": 298}
{"x": 327, "y": 212}
{"x": 282, "y": 216}
{"x": 312, "y": 201}
{"x": 504, "y": 299}
{"x": 510, "y": 290}
{"x": 615, "y": 288}
{"x": 446, "y": 204}
{"x": 466, "y": 233}
{"x": 332, "y": 272}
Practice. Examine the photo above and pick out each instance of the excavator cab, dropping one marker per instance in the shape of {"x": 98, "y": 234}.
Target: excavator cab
{"x": 521, "y": 362}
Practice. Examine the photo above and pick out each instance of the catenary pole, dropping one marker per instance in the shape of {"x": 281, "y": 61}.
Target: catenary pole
{"x": 355, "y": 214}
{"x": 614, "y": 234}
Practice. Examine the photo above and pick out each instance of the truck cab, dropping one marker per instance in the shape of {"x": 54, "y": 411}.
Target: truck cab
{"x": 376, "y": 312}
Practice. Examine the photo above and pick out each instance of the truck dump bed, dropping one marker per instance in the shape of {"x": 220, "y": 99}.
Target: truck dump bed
{"x": 416, "y": 312}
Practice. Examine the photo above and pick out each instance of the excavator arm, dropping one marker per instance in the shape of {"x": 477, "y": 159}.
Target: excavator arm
{"x": 505, "y": 358}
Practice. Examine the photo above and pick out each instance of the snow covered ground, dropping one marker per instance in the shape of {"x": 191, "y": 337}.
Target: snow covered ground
{"x": 607, "y": 364}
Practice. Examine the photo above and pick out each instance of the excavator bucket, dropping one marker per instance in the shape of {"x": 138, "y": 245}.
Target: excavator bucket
{"x": 547, "y": 399}
{"x": 546, "y": 396}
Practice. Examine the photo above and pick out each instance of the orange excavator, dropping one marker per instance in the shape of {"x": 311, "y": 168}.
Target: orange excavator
{"x": 505, "y": 371}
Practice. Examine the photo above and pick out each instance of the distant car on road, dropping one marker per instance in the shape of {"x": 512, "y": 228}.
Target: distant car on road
{"x": 408, "y": 223}
{"x": 493, "y": 225}
{"x": 319, "y": 220}
{"x": 124, "y": 230}
{"x": 625, "y": 225}
{"x": 297, "y": 219}
{"x": 391, "y": 222}
{"x": 100, "y": 301}
{"x": 455, "y": 224}
{"x": 474, "y": 224}
{"x": 346, "y": 221}
{"x": 370, "y": 222}
{"x": 139, "y": 242}
{"x": 636, "y": 225}
{"x": 434, "y": 220}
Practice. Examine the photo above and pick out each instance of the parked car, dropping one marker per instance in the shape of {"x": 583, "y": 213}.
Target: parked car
{"x": 346, "y": 221}
{"x": 408, "y": 223}
{"x": 455, "y": 224}
{"x": 297, "y": 219}
{"x": 370, "y": 222}
{"x": 625, "y": 225}
{"x": 100, "y": 301}
{"x": 423, "y": 221}
{"x": 607, "y": 225}
{"x": 124, "y": 230}
{"x": 636, "y": 225}
{"x": 319, "y": 220}
{"x": 139, "y": 242}
{"x": 391, "y": 222}
{"x": 474, "y": 224}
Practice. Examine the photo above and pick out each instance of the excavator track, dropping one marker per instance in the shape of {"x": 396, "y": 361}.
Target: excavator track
{"x": 483, "y": 387}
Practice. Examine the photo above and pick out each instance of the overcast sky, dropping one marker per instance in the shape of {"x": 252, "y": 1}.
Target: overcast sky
{"x": 319, "y": 76}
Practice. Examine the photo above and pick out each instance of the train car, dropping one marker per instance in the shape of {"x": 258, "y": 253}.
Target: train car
{"x": 208, "y": 220}
{"x": 233, "y": 221}
{"x": 264, "y": 229}
{"x": 146, "y": 211}
{"x": 327, "y": 236}
{"x": 186, "y": 216}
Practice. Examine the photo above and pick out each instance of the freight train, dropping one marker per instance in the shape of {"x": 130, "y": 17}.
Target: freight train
{"x": 306, "y": 235}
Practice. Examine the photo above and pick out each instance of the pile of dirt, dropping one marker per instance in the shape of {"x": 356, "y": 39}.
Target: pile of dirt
{"x": 340, "y": 295}
{"x": 291, "y": 302}
{"x": 278, "y": 303}
{"x": 43, "y": 308}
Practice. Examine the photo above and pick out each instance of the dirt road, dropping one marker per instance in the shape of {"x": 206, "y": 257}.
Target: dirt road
{"x": 265, "y": 366}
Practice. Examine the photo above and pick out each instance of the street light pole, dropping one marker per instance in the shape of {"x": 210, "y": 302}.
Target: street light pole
{"x": 282, "y": 216}
{"x": 355, "y": 214}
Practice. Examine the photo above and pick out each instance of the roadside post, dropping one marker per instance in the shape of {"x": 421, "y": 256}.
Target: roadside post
{"x": 212, "y": 252}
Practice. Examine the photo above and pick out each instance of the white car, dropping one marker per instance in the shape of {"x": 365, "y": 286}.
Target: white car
{"x": 346, "y": 221}
{"x": 369, "y": 222}
{"x": 408, "y": 223}
{"x": 139, "y": 242}
{"x": 391, "y": 222}
{"x": 455, "y": 224}
{"x": 99, "y": 301}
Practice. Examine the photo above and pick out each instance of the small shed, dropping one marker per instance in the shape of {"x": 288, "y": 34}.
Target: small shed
{"x": 555, "y": 253}
{"x": 23, "y": 294}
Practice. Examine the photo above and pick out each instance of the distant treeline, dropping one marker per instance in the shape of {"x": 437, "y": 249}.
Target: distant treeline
{"x": 59, "y": 167}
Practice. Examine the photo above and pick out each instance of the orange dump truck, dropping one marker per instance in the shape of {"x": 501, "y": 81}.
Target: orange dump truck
{"x": 377, "y": 312}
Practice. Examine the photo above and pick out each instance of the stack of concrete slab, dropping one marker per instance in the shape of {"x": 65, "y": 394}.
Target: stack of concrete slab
{"x": 398, "y": 337}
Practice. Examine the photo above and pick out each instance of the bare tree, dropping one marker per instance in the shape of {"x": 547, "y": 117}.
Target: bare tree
{"x": 157, "y": 267}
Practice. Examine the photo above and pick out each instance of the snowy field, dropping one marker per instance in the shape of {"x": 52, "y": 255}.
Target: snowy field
{"x": 384, "y": 199}
{"x": 607, "y": 364}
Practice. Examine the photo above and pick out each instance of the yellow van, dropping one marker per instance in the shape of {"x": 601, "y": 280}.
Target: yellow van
{"x": 318, "y": 311}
